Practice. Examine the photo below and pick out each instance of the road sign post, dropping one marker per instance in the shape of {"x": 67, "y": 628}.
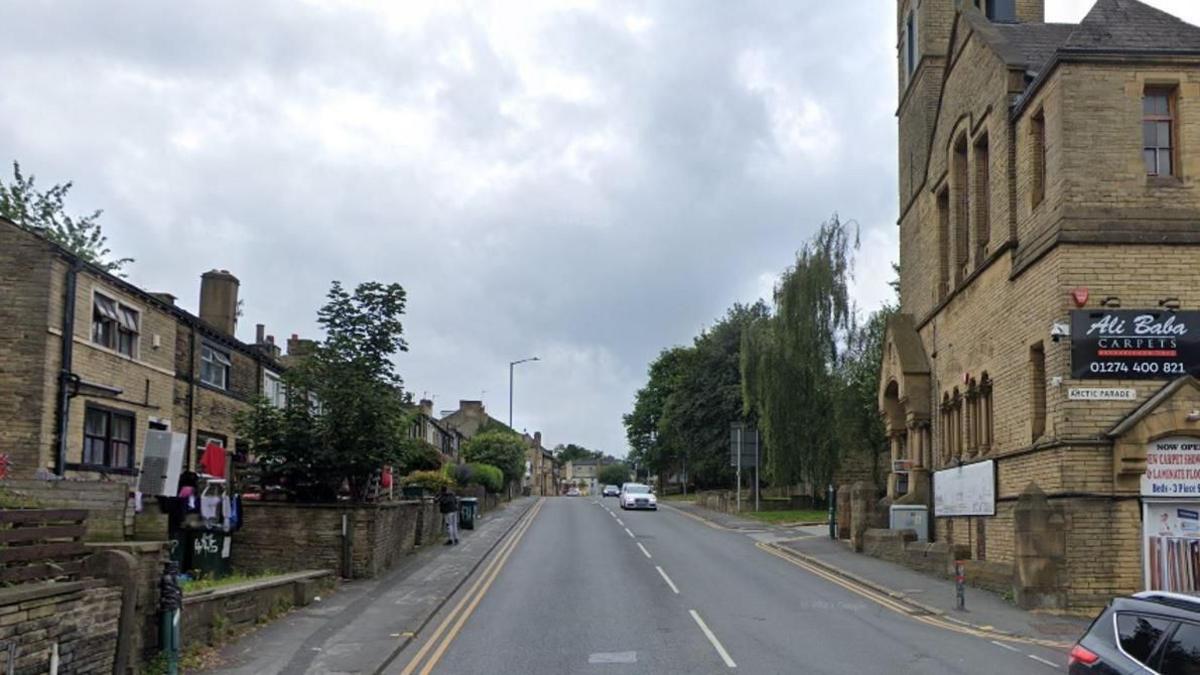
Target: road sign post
{"x": 739, "y": 469}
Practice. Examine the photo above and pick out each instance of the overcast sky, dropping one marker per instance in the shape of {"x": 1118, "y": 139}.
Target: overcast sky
{"x": 587, "y": 182}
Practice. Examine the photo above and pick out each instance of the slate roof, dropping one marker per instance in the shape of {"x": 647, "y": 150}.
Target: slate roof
{"x": 1130, "y": 25}
{"x": 1112, "y": 26}
{"x": 1032, "y": 44}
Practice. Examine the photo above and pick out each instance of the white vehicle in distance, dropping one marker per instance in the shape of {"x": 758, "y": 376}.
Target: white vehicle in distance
{"x": 638, "y": 496}
{"x": 611, "y": 491}
{"x": 573, "y": 492}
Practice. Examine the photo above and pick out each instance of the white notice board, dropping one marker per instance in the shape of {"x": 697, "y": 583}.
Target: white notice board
{"x": 966, "y": 490}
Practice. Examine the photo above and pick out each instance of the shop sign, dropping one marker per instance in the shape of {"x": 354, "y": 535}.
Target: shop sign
{"x": 1101, "y": 394}
{"x": 1172, "y": 553}
{"x": 1132, "y": 344}
{"x": 966, "y": 490}
{"x": 1172, "y": 468}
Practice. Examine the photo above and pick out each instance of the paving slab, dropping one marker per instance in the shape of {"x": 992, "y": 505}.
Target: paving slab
{"x": 365, "y": 622}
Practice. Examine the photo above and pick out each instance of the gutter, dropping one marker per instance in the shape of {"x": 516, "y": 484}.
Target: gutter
{"x": 65, "y": 377}
{"x": 191, "y": 417}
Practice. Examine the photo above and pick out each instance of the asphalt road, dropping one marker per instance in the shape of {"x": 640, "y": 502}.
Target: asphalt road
{"x": 585, "y": 587}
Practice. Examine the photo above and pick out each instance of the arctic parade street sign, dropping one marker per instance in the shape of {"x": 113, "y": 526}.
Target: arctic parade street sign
{"x": 1132, "y": 344}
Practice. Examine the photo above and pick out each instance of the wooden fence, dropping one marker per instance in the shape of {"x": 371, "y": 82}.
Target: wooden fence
{"x": 42, "y": 544}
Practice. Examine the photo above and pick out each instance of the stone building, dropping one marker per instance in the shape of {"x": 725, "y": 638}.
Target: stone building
{"x": 1047, "y": 177}
{"x": 89, "y": 362}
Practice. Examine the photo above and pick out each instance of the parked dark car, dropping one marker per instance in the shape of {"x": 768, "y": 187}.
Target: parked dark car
{"x": 611, "y": 491}
{"x": 1150, "y": 632}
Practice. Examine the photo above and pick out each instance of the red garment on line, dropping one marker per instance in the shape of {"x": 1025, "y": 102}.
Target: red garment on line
{"x": 212, "y": 462}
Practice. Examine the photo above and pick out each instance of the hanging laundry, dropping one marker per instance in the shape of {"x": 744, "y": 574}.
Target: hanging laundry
{"x": 212, "y": 462}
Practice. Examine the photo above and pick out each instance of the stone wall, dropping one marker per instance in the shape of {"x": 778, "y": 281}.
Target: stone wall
{"x": 211, "y": 616}
{"x": 936, "y": 558}
{"x": 150, "y": 558}
{"x": 80, "y": 617}
{"x": 105, "y": 502}
{"x": 24, "y": 285}
{"x": 285, "y": 537}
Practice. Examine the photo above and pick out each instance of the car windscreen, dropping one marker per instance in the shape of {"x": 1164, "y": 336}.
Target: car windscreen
{"x": 637, "y": 489}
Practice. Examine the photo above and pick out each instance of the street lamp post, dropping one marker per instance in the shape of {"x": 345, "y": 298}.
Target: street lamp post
{"x": 510, "y": 386}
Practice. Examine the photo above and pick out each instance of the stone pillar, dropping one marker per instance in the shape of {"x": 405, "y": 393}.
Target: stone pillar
{"x": 1039, "y": 537}
{"x": 860, "y": 499}
{"x": 845, "y": 509}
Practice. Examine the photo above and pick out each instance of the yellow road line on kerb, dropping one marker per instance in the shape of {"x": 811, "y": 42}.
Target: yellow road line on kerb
{"x": 484, "y": 581}
{"x": 889, "y": 603}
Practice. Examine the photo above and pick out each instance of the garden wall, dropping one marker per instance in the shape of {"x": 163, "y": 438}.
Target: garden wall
{"x": 81, "y": 617}
{"x": 213, "y": 615}
{"x": 105, "y": 502}
{"x": 286, "y": 537}
{"x": 937, "y": 558}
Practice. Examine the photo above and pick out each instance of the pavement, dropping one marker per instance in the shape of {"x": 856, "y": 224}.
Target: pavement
{"x": 936, "y": 596}
{"x": 367, "y": 622}
{"x": 581, "y": 587}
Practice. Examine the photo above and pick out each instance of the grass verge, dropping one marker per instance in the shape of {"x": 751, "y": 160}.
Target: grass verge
{"x": 789, "y": 516}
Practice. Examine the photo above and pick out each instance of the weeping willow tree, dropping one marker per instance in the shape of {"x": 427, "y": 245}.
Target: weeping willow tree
{"x": 789, "y": 361}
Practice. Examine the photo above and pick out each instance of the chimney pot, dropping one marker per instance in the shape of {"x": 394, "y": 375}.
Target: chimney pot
{"x": 218, "y": 300}
{"x": 260, "y": 333}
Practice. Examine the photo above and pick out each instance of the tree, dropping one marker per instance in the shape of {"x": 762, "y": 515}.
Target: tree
{"x": 613, "y": 474}
{"x": 790, "y": 360}
{"x": 502, "y": 449}
{"x": 346, "y": 414}
{"x": 22, "y": 203}
{"x": 574, "y": 453}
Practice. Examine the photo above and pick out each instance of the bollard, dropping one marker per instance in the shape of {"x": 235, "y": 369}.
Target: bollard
{"x": 832, "y": 512}
{"x": 170, "y": 603}
{"x": 959, "y": 589}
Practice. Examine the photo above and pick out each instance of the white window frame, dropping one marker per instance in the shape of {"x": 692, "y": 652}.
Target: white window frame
{"x": 220, "y": 358}
{"x": 275, "y": 394}
{"x": 120, "y": 319}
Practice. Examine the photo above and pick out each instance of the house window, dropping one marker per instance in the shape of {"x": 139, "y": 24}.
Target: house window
{"x": 273, "y": 389}
{"x": 1158, "y": 127}
{"x": 910, "y": 45}
{"x": 1037, "y": 390}
{"x": 214, "y": 367}
{"x": 1037, "y": 132}
{"x": 115, "y": 325}
{"x": 962, "y": 210}
{"x": 983, "y": 199}
{"x": 107, "y": 438}
{"x": 943, "y": 211}
{"x": 998, "y": 10}
{"x": 987, "y": 424}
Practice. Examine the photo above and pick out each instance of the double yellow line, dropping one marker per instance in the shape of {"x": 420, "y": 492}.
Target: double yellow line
{"x": 890, "y": 603}
{"x": 466, "y": 606}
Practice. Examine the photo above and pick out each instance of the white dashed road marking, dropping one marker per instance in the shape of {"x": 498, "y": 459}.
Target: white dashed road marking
{"x": 1004, "y": 646}
{"x": 613, "y": 657}
{"x": 667, "y": 579}
{"x": 1045, "y": 661}
{"x": 644, "y": 549}
{"x": 713, "y": 639}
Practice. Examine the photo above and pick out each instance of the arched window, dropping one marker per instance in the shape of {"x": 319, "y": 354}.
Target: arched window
{"x": 947, "y": 448}
{"x": 987, "y": 422}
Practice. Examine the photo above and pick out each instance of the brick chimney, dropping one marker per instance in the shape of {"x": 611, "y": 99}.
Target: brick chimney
{"x": 426, "y": 406}
{"x": 537, "y": 439}
{"x": 218, "y": 300}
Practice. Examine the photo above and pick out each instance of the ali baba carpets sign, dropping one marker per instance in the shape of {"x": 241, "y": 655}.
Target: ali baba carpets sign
{"x": 1172, "y": 468}
{"x": 1131, "y": 344}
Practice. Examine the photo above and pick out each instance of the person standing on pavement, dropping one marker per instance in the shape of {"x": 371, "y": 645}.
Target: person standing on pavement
{"x": 448, "y": 505}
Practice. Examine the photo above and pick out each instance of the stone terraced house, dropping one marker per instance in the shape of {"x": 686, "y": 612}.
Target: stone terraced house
{"x": 1049, "y": 183}
{"x": 89, "y": 362}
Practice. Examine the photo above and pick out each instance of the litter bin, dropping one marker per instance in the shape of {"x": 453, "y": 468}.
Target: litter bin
{"x": 208, "y": 551}
{"x": 468, "y": 507}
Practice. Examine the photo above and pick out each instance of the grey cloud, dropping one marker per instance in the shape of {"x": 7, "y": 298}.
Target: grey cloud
{"x": 592, "y": 231}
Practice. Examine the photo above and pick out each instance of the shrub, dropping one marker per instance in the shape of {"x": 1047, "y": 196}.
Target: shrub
{"x": 491, "y": 478}
{"x": 430, "y": 480}
{"x": 460, "y": 473}
{"x": 502, "y": 449}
